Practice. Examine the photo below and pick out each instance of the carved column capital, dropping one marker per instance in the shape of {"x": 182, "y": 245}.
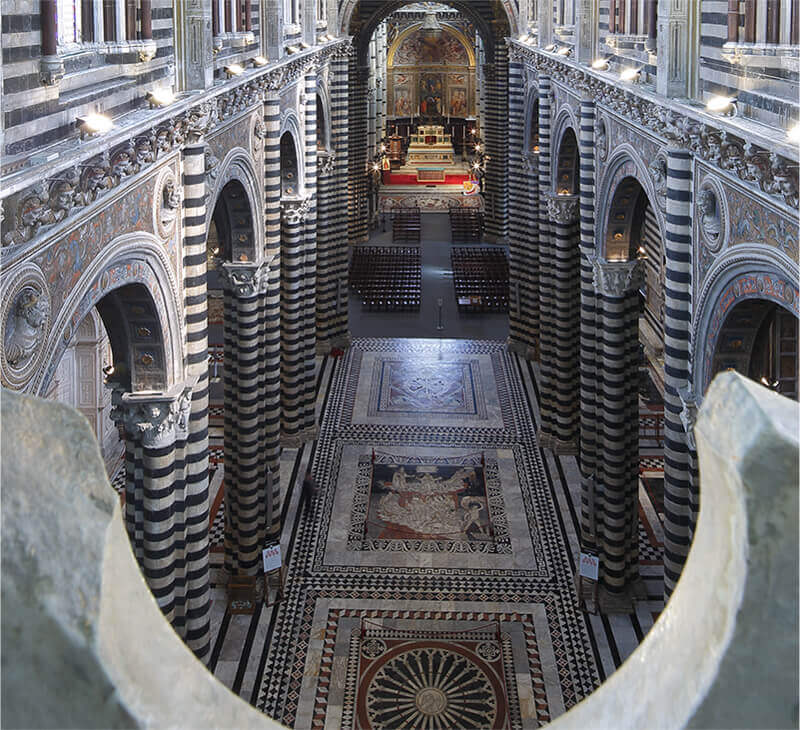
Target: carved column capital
{"x": 294, "y": 210}
{"x": 244, "y": 278}
{"x": 617, "y": 278}
{"x": 156, "y": 419}
{"x": 326, "y": 161}
{"x": 563, "y": 209}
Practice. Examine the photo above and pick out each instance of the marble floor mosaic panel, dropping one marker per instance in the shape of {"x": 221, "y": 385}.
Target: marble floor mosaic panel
{"x": 428, "y": 504}
{"x": 442, "y": 539}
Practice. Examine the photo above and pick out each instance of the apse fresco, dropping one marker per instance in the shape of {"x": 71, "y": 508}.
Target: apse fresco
{"x": 417, "y": 48}
{"x": 428, "y": 502}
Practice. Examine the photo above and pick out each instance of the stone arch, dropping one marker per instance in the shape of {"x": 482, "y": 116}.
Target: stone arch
{"x": 238, "y": 176}
{"x": 745, "y": 273}
{"x": 625, "y": 163}
{"x": 323, "y": 117}
{"x": 530, "y": 141}
{"x": 135, "y": 293}
{"x": 483, "y": 22}
{"x": 566, "y": 170}
{"x": 292, "y": 157}
{"x": 233, "y": 218}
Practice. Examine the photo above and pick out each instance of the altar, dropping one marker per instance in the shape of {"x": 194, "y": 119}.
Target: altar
{"x": 430, "y": 147}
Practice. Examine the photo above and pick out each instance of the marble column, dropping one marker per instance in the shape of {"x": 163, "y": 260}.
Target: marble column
{"x": 248, "y": 477}
{"x": 297, "y": 398}
{"x": 523, "y": 311}
{"x": 617, "y": 469}
{"x": 156, "y": 429}
{"x": 358, "y": 201}
{"x": 677, "y": 327}
{"x": 559, "y": 354}
{"x": 272, "y": 319}
{"x": 672, "y": 78}
{"x": 588, "y": 316}
{"x": 585, "y": 31}
{"x": 332, "y": 244}
{"x": 309, "y": 301}
{"x": 195, "y": 264}
{"x": 496, "y": 187}
{"x": 547, "y": 333}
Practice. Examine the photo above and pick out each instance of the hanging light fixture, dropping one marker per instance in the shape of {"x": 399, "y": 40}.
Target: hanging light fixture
{"x": 431, "y": 28}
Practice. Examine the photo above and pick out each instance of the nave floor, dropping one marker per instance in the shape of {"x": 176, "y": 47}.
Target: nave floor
{"x": 433, "y": 576}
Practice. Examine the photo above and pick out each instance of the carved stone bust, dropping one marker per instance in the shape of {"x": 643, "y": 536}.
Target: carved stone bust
{"x": 709, "y": 214}
{"x": 25, "y": 326}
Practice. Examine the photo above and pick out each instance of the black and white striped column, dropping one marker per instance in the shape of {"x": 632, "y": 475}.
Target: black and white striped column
{"x": 156, "y": 429}
{"x": 293, "y": 356}
{"x": 196, "y": 507}
{"x": 547, "y": 333}
{"x": 358, "y": 200}
{"x": 247, "y": 471}
{"x": 677, "y": 305}
{"x": 308, "y": 323}
{"x": 496, "y": 189}
{"x": 617, "y": 471}
{"x": 559, "y": 353}
{"x": 523, "y": 312}
{"x": 588, "y": 325}
{"x": 271, "y": 306}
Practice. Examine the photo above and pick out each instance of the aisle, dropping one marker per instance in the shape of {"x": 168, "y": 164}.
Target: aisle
{"x": 437, "y": 282}
{"x": 443, "y": 538}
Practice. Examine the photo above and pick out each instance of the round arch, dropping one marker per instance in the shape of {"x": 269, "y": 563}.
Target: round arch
{"x": 565, "y": 178}
{"x": 238, "y": 168}
{"x": 446, "y": 28}
{"x": 135, "y": 292}
{"x": 482, "y": 22}
{"x": 323, "y": 116}
{"x": 624, "y": 163}
{"x": 292, "y": 158}
{"x": 748, "y": 272}
{"x": 530, "y": 142}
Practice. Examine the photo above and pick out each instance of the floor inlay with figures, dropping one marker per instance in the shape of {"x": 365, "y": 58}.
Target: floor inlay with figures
{"x": 431, "y": 582}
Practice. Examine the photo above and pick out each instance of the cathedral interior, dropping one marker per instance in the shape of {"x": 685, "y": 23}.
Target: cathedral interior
{"x": 392, "y": 319}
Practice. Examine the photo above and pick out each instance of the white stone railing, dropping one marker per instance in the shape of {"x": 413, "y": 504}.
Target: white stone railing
{"x": 84, "y": 643}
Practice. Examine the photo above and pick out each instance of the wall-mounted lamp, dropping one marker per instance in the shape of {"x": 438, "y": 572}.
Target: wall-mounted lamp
{"x": 600, "y": 64}
{"x": 550, "y": 48}
{"x": 631, "y": 75}
{"x": 564, "y": 51}
{"x": 304, "y": 45}
{"x": 641, "y": 253}
{"x": 233, "y": 69}
{"x": 771, "y": 384}
{"x": 563, "y": 191}
{"x": 93, "y": 124}
{"x": 259, "y": 61}
{"x": 292, "y": 49}
{"x": 794, "y": 134}
{"x": 722, "y": 105}
{"x": 159, "y": 98}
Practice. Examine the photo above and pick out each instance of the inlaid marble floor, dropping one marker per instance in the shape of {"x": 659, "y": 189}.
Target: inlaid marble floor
{"x": 432, "y": 579}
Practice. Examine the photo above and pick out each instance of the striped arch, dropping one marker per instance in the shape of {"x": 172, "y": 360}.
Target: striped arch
{"x": 566, "y": 179}
{"x": 530, "y": 142}
{"x": 136, "y": 293}
{"x": 290, "y": 125}
{"x": 625, "y": 162}
{"x": 324, "y": 114}
{"x": 749, "y": 271}
{"x": 238, "y": 167}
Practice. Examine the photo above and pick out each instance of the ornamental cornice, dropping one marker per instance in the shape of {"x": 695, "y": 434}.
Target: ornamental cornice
{"x": 617, "y": 278}
{"x": 156, "y": 419}
{"x": 768, "y": 168}
{"x": 34, "y": 202}
{"x": 563, "y": 209}
{"x": 245, "y": 278}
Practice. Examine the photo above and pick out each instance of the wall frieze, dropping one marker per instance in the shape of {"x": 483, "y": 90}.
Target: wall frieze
{"x": 35, "y": 204}
{"x": 764, "y": 167}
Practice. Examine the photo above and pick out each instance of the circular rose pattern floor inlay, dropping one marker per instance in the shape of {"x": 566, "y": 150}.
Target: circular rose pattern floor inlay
{"x": 430, "y": 687}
